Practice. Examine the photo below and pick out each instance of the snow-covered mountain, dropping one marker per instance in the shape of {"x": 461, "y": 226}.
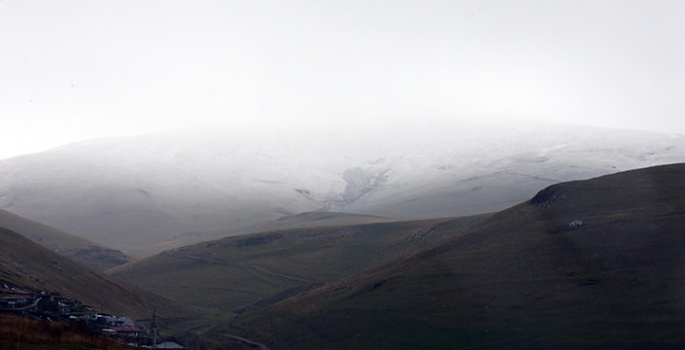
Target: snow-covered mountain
{"x": 135, "y": 192}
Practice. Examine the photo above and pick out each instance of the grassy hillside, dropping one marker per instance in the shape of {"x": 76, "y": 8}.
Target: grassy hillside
{"x": 29, "y": 265}
{"x": 302, "y": 220}
{"x": 249, "y": 272}
{"x": 588, "y": 264}
{"x": 76, "y": 248}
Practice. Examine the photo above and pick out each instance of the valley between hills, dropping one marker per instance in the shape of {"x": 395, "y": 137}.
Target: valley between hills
{"x": 590, "y": 263}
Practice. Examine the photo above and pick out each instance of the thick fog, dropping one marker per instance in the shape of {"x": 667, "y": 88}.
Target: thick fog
{"x": 76, "y": 70}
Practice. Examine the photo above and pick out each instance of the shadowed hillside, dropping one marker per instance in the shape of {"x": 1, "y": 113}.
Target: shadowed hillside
{"x": 586, "y": 264}
{"x": 76, "y": 248}
{"x": 31, "y": 266}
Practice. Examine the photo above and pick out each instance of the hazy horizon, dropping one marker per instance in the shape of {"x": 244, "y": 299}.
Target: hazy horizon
{"x": 78, "y": 70}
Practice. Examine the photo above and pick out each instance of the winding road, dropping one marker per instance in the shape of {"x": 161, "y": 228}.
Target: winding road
{"x": 261, "y": 346}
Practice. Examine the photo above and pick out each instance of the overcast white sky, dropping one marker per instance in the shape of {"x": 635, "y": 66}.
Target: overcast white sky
{"x": 74, "y": 70}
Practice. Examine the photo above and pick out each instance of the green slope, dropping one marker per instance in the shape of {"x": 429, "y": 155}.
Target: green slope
{"x": 526, "y": 278}
{"x": 245, "y": 273}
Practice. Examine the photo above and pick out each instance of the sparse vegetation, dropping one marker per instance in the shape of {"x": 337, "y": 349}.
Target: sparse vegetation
{"x": 22, "y": 333}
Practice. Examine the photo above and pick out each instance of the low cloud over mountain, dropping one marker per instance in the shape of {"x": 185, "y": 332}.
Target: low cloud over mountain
{"x": 137, "y": 192}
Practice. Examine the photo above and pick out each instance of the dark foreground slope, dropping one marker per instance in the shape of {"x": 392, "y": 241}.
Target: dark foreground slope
{"x": 76, "y": 248}
{"x": 30, "y": 266}
{"x": 29, "y": 334}
{"x": 527, "y": 278}
{"x": 245, "y": 273}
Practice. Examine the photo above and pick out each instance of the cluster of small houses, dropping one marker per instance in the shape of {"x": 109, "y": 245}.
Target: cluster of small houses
{"x": 52, "y": 307}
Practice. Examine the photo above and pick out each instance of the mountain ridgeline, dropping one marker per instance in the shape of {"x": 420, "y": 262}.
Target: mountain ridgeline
{"x": 145, "y": 193}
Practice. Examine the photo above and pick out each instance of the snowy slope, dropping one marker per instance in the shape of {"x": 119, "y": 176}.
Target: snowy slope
{"x": 131, "y": 192}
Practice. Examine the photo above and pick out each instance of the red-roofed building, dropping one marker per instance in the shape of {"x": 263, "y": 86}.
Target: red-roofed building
{"x": 128, "y": 331}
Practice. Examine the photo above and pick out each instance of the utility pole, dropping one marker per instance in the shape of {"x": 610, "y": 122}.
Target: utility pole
{"x": 154, "y": 328}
